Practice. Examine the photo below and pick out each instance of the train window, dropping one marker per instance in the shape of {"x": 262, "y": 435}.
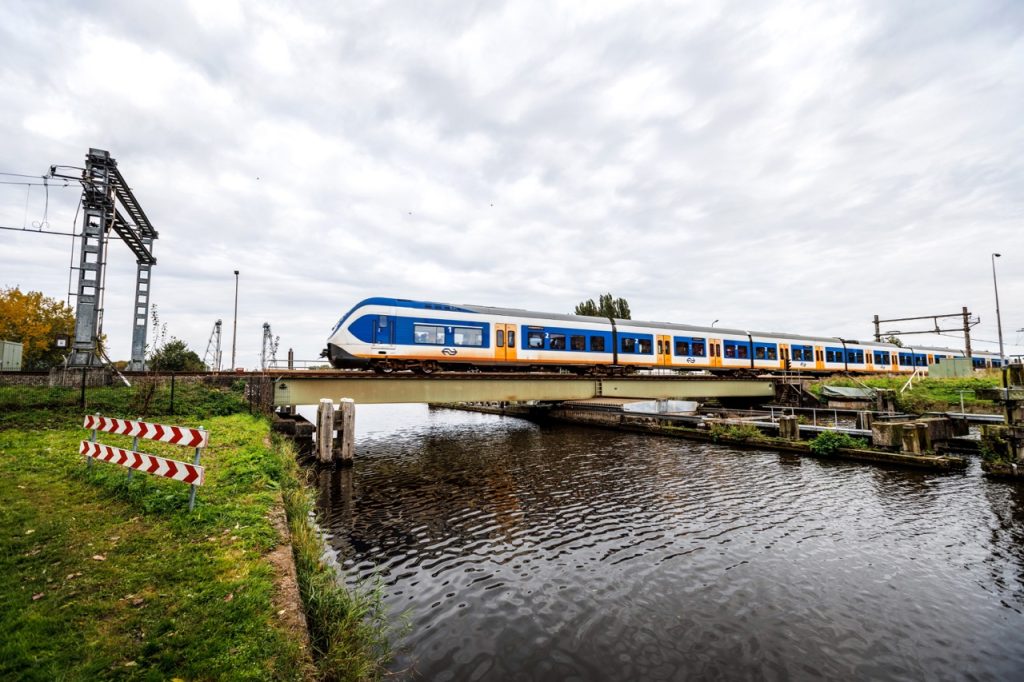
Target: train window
{"x": 742, "y": 352}
{"x": 468, "y": 336}
{"x": 628, "y": 345}
{"x": 535, "y": 339}
{"x": 557, "y": 342}
{"x": 511, "y": 338}
{"x": 500, "y": 338}
{"x": 644, "y": 346}
{"x": 597, "y": 343}
{"x": 830, "y": 356}
{"x": 698, "y": 349}
{"x": 730, "y": 350}
{"x": 428, "y": 333}
{"x": 772, "y": 353}
{"x": 578, "y": 342}
{"x": 682, "y": 347}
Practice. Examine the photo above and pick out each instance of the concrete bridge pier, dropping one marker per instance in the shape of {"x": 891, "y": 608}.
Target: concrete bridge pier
{"x": 335, "y": 431}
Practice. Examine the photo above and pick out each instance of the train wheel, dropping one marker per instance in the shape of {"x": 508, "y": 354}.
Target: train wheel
{"x": 428, "y": 367}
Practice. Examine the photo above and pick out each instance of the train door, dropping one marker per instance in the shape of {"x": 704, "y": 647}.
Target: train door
{"x": 819, "y": 358}
{"x": 784, "y": 356}
{"x": 665, "y": 351}
{"x": 505, "y": 342}
{"x": 384, "y": 332}
{"x": 715, "y": 352}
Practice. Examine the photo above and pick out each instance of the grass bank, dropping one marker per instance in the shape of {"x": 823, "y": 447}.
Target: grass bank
{"x": 105, "y": 578}
{"x": 929, "y": 394}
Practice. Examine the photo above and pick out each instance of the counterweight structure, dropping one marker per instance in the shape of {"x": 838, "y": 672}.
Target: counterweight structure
{"x": 103, "y": 190}
{"x": 212, "y": 356}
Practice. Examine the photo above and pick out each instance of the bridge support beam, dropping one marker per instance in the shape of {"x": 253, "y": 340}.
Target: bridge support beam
{"x": 305, "y": 389}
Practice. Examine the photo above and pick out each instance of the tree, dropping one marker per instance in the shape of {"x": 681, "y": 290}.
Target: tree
{"x": 175, "y": 356}
{"x": 35, "y": 320}
{"x": 607, "y": 306}
{"x": 894, "y": 341}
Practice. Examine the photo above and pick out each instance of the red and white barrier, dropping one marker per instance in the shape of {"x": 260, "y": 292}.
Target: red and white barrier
{"x": 151, "y": 464}
{"x": 193, "y": 474}
{"x": 176, "y": 435}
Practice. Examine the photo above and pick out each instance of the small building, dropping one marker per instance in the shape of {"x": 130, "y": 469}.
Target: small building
{"x": 10, "y": 356}
{"x": 848, "y": 398}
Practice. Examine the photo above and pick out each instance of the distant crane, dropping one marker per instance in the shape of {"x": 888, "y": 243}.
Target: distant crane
{"x": 212, "y": 356}
{"x": 268, "y": 356}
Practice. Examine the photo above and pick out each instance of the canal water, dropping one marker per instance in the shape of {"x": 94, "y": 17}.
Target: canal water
{"x": 524, "y": 552}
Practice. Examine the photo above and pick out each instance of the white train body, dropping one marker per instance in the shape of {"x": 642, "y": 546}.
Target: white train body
{"x": 390, "y": 333}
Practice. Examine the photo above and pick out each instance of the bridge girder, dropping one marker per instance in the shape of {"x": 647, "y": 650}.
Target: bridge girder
{"x": 473, "y": 388}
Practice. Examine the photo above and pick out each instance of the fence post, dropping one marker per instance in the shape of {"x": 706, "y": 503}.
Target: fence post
{"x": 192, "y": 495}
{"x": 92, "y": 439}
{"x": 81, "y": 400}
{"x": 135, "y": 448}
{"x": 172, "y": 391}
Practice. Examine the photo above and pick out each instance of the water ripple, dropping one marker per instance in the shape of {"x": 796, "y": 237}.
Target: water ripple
{"x": 557, "y": 552}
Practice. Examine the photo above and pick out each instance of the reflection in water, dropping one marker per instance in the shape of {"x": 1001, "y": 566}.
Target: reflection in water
{"x": 559, "y": 552}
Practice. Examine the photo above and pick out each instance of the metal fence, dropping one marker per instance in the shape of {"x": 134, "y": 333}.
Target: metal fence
{"x": 138, "y": 395}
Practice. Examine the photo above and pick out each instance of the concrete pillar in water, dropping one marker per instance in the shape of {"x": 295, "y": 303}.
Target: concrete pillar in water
{"x": 911, "y": 441}
{"x": 325, "y": 431}
{"x": 347, "y": 431}
{"x": 789, "y": 428}
{"x": 924, "y": 437}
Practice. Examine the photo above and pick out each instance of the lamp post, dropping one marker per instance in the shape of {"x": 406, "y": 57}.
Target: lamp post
{"x": 234, "y": 329}
{"x": 999, "y": 321}
{"x": 714, "y": 323}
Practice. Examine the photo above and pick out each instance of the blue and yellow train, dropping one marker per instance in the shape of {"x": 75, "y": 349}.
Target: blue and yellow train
{"x": 389, "y": 334}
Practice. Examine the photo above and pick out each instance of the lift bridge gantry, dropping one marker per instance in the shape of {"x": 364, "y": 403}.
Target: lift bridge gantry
{"x": 103, "y": 189}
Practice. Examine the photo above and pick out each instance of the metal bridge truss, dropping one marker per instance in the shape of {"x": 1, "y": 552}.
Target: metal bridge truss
{"x": 103, "y": 189}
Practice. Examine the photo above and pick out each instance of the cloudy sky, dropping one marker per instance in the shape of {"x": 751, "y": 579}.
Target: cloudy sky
{"x": 792, "y": 166}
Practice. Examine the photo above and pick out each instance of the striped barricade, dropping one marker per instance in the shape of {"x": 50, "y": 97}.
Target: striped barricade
{"x": 193, "y": 474}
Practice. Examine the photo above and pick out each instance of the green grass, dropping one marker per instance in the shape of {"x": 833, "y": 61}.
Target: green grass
{"x": 927, "y": 394}
{"x": 105, "y": 578}
{"x": 348, "y": 626}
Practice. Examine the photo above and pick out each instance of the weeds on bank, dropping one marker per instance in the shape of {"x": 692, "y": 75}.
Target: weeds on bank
{"x": 348, "y": 626}
{"x": 828, "y": 443}
{"x": 737, "y": 432}
{"x": 928, "y": 394}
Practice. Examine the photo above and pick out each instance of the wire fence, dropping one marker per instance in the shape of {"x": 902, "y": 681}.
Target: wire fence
{"x": 144, "y": 395}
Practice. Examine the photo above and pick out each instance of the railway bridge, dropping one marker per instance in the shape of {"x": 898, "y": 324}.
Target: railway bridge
{"x": 308, "y": 388}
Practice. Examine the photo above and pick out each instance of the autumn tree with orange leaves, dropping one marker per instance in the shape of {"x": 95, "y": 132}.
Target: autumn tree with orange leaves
{"x": 35, "y": 320}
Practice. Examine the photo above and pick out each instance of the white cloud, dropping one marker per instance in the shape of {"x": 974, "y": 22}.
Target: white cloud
{"x": 791, "y": 166}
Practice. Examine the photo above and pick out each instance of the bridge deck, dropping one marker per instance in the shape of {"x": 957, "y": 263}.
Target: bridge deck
{"x": 307, "y": 388}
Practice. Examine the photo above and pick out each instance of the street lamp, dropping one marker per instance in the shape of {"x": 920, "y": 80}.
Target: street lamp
{"x": 999, "y": 321}
{"x": 714, "y": 323}
{"x": 234, "y": 330}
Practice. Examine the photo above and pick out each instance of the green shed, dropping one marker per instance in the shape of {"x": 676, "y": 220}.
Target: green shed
{"x": 10, "y": 356}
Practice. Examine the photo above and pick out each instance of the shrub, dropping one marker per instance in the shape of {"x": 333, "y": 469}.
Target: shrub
{"x": 740, "y": 432}
{"x": 829, "y": 442}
